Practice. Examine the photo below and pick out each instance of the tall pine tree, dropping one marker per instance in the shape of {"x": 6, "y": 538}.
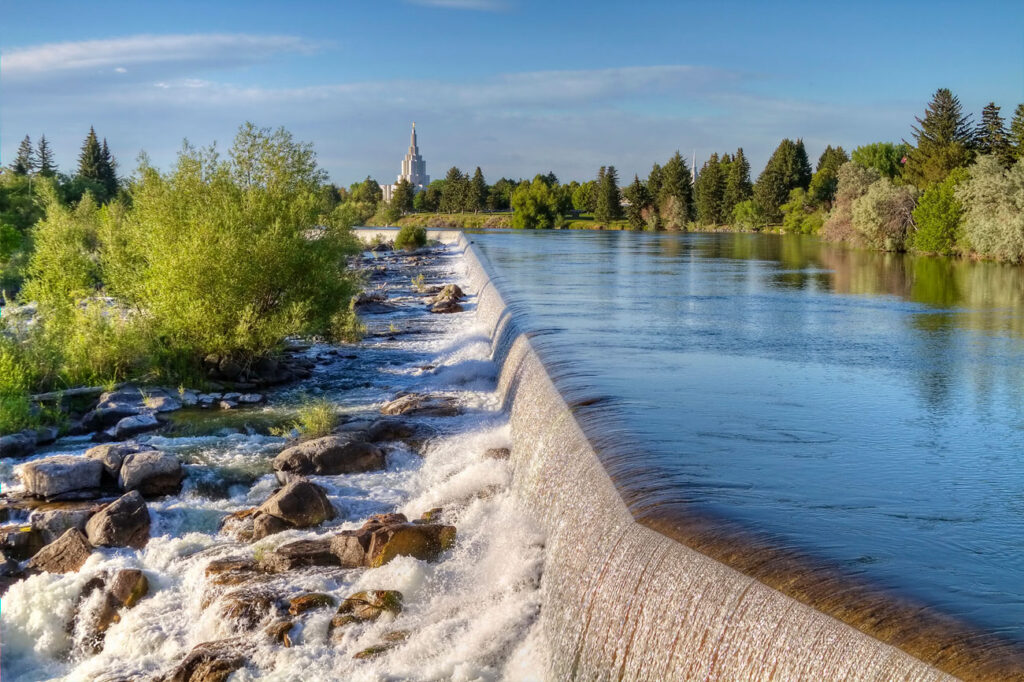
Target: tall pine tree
{"x": 943, "y": 140}
{"x": 453, "y": 194}
{"x": 787, "y": 169}
{"x": 90, "y": 159}
{"x": 44, "y": 158}
{"x": 609, "y": 200}
{"x": 991, "y": 135}
{"x": 710, "y": 192}
{"x": 108, "y": 170}
{"x": 25, "y": 161}
{"x": 477, "y": 191}
{"x": 639, "y": 203}
{"x": 737, "y": 184}
{"x": 402, "y": 197}
{"x": 675, "y": 199}
{"x": 1017, "y": 132}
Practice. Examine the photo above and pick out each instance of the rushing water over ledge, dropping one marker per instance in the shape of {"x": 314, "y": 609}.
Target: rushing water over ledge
{"x": 860, "y": 408}
{"x": 470, "y": 616}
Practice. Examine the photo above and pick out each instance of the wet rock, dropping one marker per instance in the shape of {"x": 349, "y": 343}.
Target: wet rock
{"x": 264, "y": 525}
{"x": 102, "y": 418}
{"x": 163, "y": 404}
{"x": 251, "y": 399}
{"x": 227, "y": 404}
{"x": 445, "y": 307}
{"x": 366, "y": 606}
{"x": 415, "y": 404}
{"x": 20, "y": 542}
{"x": 123, "y": 523}
{"x": 62, "y": 476}
{"x": 391, "y": 640}
{"x": 278, "y": 632}
{"x": 386, "y": 536}
{"x": 123, "y": 591}
{"x": 451, "y": 293}
{"x": 112, "y": 455}
{"x": 329, "y": 456}
{"x": 133, "y": 426}
{"x": 46, "y": 435}
{"x": 431, "y": 515}
{"x": 247, "y": 607}
{"x": 152, "y": 473}
{"x": 220, "y": 566}
{"x": 300, "y": 554}
{"x": 498, "y": 453}
{"x": 53, "y": 523}
{"x": 213, "y": 661}
{"x": 239, "y": 524}
{"x": 390, "y": 429}
{"x": 301, "y": 503}
{"x": 18, "y": 444}
{"x": 229, "y": 369}
{"x": 309, "y": 602}
{"x": 66, "y": 554}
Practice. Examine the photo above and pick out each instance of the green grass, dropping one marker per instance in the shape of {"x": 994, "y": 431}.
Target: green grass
{"x": 316, "y": 418}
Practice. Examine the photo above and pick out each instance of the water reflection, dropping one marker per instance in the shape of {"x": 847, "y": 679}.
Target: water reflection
{"x": 865, "y": 407}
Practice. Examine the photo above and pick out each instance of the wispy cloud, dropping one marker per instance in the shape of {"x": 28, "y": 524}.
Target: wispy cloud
{"x": 142, "y": 54}
{"x": 476, "y": 5}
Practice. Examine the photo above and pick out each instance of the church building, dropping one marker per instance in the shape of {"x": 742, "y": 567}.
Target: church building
{"x": 414, "y": 170}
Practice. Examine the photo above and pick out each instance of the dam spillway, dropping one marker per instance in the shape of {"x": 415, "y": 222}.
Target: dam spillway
{"x": 637, "y": 589}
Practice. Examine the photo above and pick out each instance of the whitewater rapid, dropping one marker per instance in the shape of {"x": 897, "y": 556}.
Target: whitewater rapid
{"x": 473, "y": 615}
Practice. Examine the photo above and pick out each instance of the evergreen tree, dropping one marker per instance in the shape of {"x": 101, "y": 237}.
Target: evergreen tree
{"x": 639, "y": 203}
{"x": 25, "y": 161}
{"x": 477, "y": 191}
{"x": 823, "y": 185}
{"x": 44, "y": 157}
{"x": 787, "y": 169}
{"x": 737, "y": 184}
{"x": 710, "y": 191}
{"x": 675, "y": 200}
{"x": 992, "y": 137}
{"x": 453, "y": 194}
{"x": 943, "y": 139}
{"x": 90, "y": 160}
{"x": 609, "y": 206}
{"x": 654, "y": 181}
{"x": 1017, "y": 132}
{"x": 402, "y": 197}
{"x": 108, "y": 170}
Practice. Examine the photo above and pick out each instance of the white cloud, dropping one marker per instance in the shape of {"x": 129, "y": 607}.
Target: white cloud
{"x": 61, "y": 60}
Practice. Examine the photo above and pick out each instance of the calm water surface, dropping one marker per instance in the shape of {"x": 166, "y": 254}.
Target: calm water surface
{"x": 866, "y": 408}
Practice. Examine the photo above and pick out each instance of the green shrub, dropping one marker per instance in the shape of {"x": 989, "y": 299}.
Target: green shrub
{"x": 799, "y": 216}
{"x": 993, "y": 218}
{"x": 16, "y": 379}
{"x": 854, "y": 181}
{"x": 411, "y": 238}
{"x": 883, "y": 217}
{"x": 749, "y": 216}
{"x": 938, "y": 216}
{"x": 316, "y": 418}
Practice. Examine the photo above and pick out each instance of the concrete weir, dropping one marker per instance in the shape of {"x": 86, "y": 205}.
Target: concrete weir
{"x": 634, "y": 593}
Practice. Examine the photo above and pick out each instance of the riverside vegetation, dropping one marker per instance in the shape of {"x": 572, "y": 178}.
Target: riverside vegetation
{"x": 220, "y": 259}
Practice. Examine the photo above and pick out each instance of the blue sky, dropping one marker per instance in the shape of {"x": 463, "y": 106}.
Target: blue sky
{"x": 514, "y": 86}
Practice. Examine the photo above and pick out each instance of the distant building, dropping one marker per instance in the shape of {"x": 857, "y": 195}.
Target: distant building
{"x": 414, "y": 169}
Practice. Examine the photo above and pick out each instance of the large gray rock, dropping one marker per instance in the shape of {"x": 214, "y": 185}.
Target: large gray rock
{"x": 133, "y": 426}
{"x": 18, "y": 444}
{"x": 101, "y": 418}
{"x": 415, "y": 404}
{"x": 112, "y": 456}
{"x": 53, "y": 523}
{"x": 152, "y": 473}
{"x": 300, "y": 503}
{"x": 62, "y": 476}
{"x": 299, "y": 554}
{"x": 329, "y": 456}
{"x": 124, "y": 523}
{"x": 66, "y": 554}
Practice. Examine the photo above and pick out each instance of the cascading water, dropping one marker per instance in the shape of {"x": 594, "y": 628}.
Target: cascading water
{"x": 471, "y": 615}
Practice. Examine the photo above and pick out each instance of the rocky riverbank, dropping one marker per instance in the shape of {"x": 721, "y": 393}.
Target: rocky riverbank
{"x": 192, "y": 544}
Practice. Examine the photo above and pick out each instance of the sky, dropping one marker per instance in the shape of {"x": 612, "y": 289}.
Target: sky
{"x": 516, "y": 87}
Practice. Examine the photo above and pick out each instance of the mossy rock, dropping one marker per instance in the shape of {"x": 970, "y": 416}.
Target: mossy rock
{"x": 309, "y": 602}
{"x": 424, "y": 542}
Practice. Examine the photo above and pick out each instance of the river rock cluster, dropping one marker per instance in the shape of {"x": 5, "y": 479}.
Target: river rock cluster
{"x": 98, "y": 501}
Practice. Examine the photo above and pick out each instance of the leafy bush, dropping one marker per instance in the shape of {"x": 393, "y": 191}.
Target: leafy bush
{"x": 798, "y": 214}
{"x": 749, "y": 216}
{"x": 993, "y": 218}
{"x": 316, "y": 418}
{"x": 411, "y": 238}
{"x": 16, "y": 379}
{"x": 854, "y": 181}
{"x": 884, "y": 215}
{"x": 938, "y": 215}
{"x": 535, "y": 206}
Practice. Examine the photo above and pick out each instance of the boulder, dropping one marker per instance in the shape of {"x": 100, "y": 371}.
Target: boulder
{"x": 123, "y": 523}
{"x": 122, "y": 591}
{"x": 133, "y": 426}
{"x": 300, "y": 503}
{"x": 62, "y": 477}
{"x": 415, "y": 404}
{"x": 247, "y": 607}
{"x": 213, "y": 661}
{"x": 163, "y": 403}
{"x": 239, "y": 525}
{"x": 391, "y": 640}
{"x": 20, "y": 542}
{"x": 445, "y": 307}
{"x": 451, "y": 293}
{"x": 66, "y": 554}
{"x": 390, "y": 429}
{"x": 152, "y": 473}
{"x": 365, "y": 606}
{"x": 101, "y": 418}
{"x": 45, "y": 435}
{"x": 112, "y": 456}
{"x": 329, "y": 456}
{"x": 54, "y": 522}
{"x": 278, "y": 632}
{"x": 309, "y": 602}
{"x": 264, "y": 525}
{"x": 300, "y": 554}
{"x": 227, "y": 404}
{"x": 386, "y": 536}
{"x": 251, "y": 399}
{"x": 19, "y": 444}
